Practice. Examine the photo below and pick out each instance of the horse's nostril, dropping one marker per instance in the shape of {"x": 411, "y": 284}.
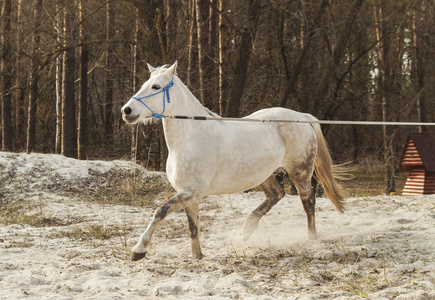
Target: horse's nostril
{"x": 127, "y": 110}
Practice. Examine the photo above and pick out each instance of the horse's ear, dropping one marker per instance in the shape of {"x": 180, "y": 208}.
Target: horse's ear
{"x": 172, "y": 70}
{"x": 151, "y": 68}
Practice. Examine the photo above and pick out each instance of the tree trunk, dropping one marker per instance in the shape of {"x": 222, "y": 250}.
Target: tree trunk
{"x": 83, "y": 100}
{"x": 58, "y": 80}
{"x": 241, "y": 73}
{"x": 419, "y": 73}
{"x": 69, "y": 134}
{"x": 110, "y": 62}
{"x": 171, "y": 30}
{"x": 21, "y": 83}
{"x": 223, "y": 61}
{"x": 135, "y": 128}
{"x": 243, "y": 58}
{"x": 324, "y": 88}
{"x": 213, "y": 55}
{"x": 213, "y": 27}
{"x": 202, "y": 15}
{"x": 161, "y": 33}
{"x": 6, "y": 74}
{"x": 385, "y": 83}
{"x": 34, "y": 77}
{"x": 192, "y": 41}
{"x": 292, "y": 80}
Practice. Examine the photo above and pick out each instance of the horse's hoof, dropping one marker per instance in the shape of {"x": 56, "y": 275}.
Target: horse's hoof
{"x": 246, "y": 236}
{"x": 250, "y": 226}
{"x": 312, "y": 236}
{"x": 198, "y": 256}
{"x": 248, "y": 230}
{"x": 135, "y": 256}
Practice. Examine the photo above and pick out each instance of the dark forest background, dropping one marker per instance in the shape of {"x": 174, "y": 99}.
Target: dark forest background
{"x": 67, "y": 66}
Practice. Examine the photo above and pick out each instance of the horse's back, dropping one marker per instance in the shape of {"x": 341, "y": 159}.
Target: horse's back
{"x": 294, "y": 134}
{"x": 277, "y": 113}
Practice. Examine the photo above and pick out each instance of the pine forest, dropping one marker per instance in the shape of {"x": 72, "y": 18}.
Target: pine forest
{"x": 67, "y": 67}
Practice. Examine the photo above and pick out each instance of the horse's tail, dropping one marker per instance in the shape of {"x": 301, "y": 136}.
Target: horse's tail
{"x": 325, "y": 170}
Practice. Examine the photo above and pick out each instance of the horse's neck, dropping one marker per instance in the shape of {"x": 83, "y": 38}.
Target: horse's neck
{"x": 184, "y": 104}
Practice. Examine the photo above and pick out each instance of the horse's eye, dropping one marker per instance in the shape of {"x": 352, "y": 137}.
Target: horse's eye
{"x": 156, "y": 87}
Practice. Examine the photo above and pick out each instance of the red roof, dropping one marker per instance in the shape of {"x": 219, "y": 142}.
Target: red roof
{"x": 425, "y": 144}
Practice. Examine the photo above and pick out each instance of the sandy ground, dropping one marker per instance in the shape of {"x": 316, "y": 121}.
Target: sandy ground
{"x": 381, "y": 248}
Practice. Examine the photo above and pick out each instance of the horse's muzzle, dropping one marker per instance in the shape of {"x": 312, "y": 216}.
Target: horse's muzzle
{"x": 130, "y": 119}
{"x": 128, "y": 116}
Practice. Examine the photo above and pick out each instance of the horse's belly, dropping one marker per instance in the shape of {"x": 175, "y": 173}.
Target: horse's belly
{"x": 243, "y": 175}
{"x": 236, "y": 184}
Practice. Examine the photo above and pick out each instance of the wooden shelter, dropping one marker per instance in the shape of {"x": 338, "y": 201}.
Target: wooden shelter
{"x": 418, "y": 160}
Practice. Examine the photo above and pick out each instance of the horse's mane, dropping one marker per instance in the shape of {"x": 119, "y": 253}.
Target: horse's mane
{"x": 162, "y": 69}
{"x": 211, "y": 113}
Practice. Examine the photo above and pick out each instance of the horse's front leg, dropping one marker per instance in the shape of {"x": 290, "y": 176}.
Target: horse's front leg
{"x": 179, "y": 201}
{"x": 192, "y": 218}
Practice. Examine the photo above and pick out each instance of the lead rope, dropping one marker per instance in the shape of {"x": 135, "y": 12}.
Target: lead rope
{"x": 331, "y": 122}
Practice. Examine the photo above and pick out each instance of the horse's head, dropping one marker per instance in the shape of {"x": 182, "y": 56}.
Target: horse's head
{"x": 153, "y": 97}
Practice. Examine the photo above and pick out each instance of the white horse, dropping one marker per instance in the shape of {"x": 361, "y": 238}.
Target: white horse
{"x": 224, "y": 157}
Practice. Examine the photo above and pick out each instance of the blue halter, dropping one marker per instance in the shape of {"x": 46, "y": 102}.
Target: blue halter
{"x": 166, "y": 96}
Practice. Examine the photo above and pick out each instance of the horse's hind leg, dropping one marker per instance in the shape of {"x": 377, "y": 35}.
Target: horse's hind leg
{"x": 192, "y": 218}
{"x": 309, "y": 203}
{"x": 274, "y": 192}
{"x": 308, "y": 198}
